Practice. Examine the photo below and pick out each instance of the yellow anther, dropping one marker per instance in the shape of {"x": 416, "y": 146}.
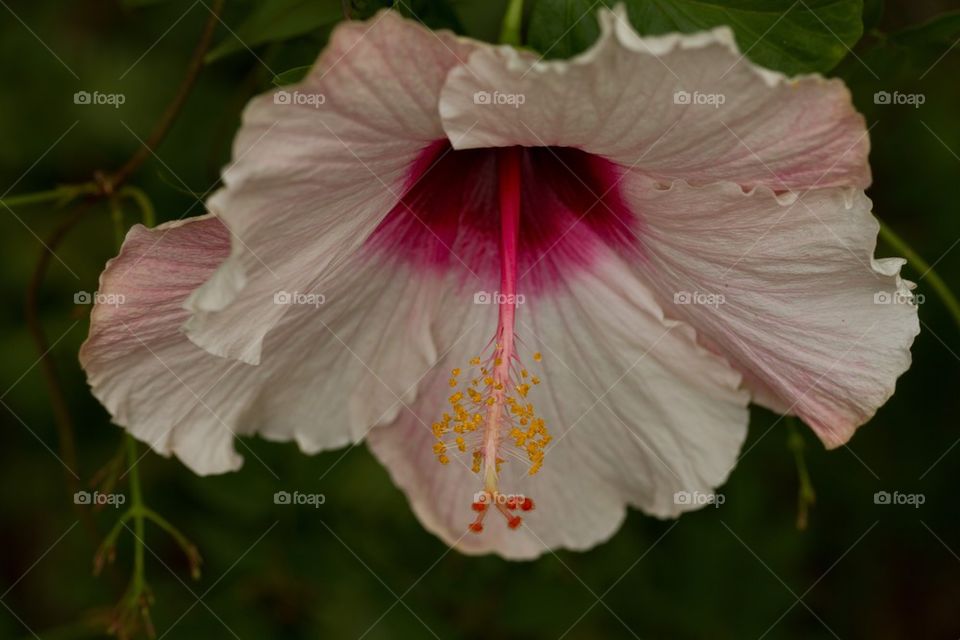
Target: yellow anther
{"x": 493, "y": 404}
{"x": 538, "y": 356}
{"x": 477, "y": 459}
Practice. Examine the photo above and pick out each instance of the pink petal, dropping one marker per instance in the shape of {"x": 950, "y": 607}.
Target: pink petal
{"x": 310, "y": 181}
{"x": 617, "y": 100}
{"x": 799, "y": 312}
{"x": 638, "y": 412}
{"x": 330, "y": 370}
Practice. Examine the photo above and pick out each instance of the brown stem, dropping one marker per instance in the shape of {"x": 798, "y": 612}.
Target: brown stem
{"x": 67, "y": 444}
{"x": 108, "y": 185}
{"x": 176, "y": 105}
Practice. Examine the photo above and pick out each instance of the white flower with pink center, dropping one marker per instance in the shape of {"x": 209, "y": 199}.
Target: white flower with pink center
{"x": 543, "y": 289}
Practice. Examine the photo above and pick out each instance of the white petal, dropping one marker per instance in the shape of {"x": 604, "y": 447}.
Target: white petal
{"x": 310, "y": 181}
{"x": 637, "y": 409}
{"x": 800, "y": 287}
{"x": 330, "y": 371}
{"x": 620, "y": 100}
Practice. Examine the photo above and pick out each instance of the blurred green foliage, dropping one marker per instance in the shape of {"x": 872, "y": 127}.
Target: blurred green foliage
{"x": 361, "y": 565}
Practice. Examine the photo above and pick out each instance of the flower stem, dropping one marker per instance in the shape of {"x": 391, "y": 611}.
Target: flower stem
{"x": 189, "y": 549}
{"x": 116, "y": 214}
{"x": 61, "y": 195}
{"x": 147, "y": 215}
{"x": 137, "y": 506}
{"x": 175, "y": 106}
{"x": 924, "y": 269}
{"x": 806, "y": 497}
{"x": 137, "y": 509}
{"x": 512, "y": 20}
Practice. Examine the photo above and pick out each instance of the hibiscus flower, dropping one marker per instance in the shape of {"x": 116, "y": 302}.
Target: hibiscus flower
{"x": 538, "y": 290}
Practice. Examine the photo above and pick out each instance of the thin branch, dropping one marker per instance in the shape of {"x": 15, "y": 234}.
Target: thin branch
{"x": 173, "y": 109}
{"x": 64, "y": 423}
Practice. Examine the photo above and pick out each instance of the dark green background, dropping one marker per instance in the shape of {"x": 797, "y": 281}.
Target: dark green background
{"x": 862, "y": 570}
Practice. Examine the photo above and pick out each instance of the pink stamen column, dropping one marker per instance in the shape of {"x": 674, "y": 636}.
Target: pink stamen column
{"x": 508, "y": 167}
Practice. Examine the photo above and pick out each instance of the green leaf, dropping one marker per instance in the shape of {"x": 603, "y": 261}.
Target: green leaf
{"x": 563, "y": 28}
{"x": 905, "y": 56}
{"x": 793, "y": 36}
{"x": 291, "y": 76}
{"x": 277, "y": 21}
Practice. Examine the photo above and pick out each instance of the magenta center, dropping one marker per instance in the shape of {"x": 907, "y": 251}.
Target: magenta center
{"x": 449, "y": 218}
